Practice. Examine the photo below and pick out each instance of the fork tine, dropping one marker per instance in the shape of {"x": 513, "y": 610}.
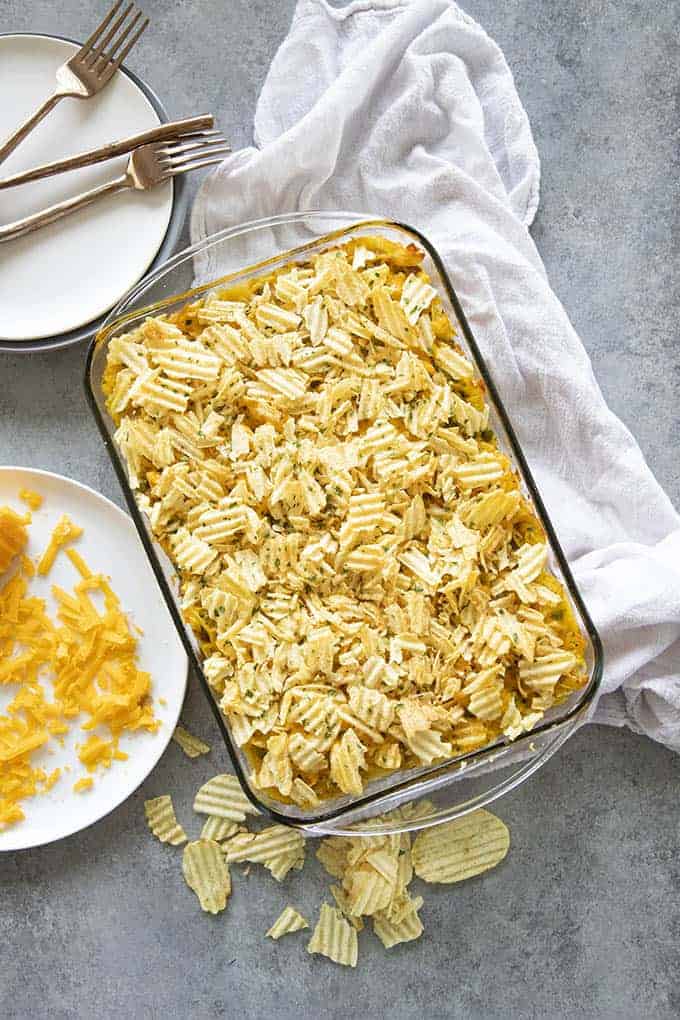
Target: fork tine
{"x": 100, "y": 49}
{"x": 185, "y": 168}
{"x": 88, "y": 44}
{"x": 176, "y": 147}
{"x": 193, "y": 133}
{"x": 121, "y": 56}
{"x": 202, "y": 153}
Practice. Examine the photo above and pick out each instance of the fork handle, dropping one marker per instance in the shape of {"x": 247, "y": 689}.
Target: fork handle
{"x": 10, "y": 231}
{"x": 10, "y": 144}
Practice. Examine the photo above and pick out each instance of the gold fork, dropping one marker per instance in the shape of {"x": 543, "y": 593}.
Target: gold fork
{"x": 148, "y": 166}
{"x": 90, "y": 69}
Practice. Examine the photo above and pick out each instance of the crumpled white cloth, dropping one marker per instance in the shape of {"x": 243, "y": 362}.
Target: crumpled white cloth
{"x": 408, "y": 109}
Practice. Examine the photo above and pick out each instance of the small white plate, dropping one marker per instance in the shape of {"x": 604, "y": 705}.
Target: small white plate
{"x": 73, "y": 271}
{"x": 109, "y": 545}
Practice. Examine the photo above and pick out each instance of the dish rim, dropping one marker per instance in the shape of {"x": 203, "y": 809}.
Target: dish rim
{"x": 424, "y": 773}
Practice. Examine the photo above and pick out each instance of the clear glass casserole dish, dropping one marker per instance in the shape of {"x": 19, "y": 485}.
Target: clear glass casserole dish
{"x": 463, "y": 783}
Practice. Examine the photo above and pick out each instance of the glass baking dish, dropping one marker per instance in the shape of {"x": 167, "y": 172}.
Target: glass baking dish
{"x": 463, "y": 783}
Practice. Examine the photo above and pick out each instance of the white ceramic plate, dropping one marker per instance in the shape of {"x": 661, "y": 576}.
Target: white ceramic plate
{"x": 110, "y": 545}
{"x": 73, "y": 271}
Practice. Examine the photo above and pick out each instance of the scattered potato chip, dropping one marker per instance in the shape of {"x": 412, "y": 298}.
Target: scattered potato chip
{"x": 237, "y": 842}
{"x": 334, "y": 937}
{"x": 218, "y": 828}
{"x": 281, "y": 865}
{"x": 205, "y": 871}
{"x": 332, "y": 853}
{"x": 191, "y": 745}
{"x": 223, "y": 797}
{"x": 375, "y": 869}
{"x": 268, "y": 845}
{"x": 288, "y": 921}
{"x": 340, "y": 897}
{"x": 367, "y": 891}
{"x": 410, "y": 926}
{"x": 460, "y": 849}
{"x": 160, "y": 815}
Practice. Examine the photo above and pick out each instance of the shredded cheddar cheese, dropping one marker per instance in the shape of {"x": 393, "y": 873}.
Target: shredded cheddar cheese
{"x": 86, "y": 659}
{"x": 32, "y": 499}
{"x": 65, "y": 531}
{"x": 13, "y": 536}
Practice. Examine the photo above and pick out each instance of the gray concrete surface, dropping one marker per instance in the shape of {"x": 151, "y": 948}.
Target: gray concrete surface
{"x": 582, "y": 920}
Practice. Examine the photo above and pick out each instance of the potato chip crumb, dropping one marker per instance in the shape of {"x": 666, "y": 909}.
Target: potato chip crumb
{"x": 191, "y": 745}
{"x": 288, "y": 921}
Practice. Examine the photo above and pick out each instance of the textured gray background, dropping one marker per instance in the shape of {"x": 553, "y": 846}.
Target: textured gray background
{"x": 582, "y": 919}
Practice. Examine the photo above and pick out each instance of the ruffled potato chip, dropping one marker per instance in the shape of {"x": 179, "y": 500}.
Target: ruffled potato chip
{"x": 288, "y": 921}
{"x": 269, "y": 844}
{"x": 192, "y": 746}
{"x": 223, "y": 797}
{"x": 460, "y": 849}
{"x": 408, "y": 928}
{"x": 160, "y": 816}
{"x": 218, "y": 829}
{"x": 206, "y": 873}
{"x": 334, "y": 937}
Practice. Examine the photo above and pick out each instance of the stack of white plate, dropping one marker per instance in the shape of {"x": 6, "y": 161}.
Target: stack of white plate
{"x": 57, "y": 284}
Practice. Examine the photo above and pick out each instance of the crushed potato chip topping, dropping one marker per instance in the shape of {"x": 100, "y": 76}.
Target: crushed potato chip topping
{"x": 89, "y": 658}
{"x": 366, "y": 579}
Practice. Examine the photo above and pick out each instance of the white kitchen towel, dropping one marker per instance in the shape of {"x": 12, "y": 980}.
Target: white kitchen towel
{"x": 408, "y": 109}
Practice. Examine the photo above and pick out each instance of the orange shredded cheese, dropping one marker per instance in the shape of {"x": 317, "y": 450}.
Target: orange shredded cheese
{"x": 86, "y": 783}
{"x": 31, "y": 498}
{"x": 64, "y": 532}
{"x": 13, "y": 536}
{"x": 79, "y": 563}
{"x": 86, "y": 659}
